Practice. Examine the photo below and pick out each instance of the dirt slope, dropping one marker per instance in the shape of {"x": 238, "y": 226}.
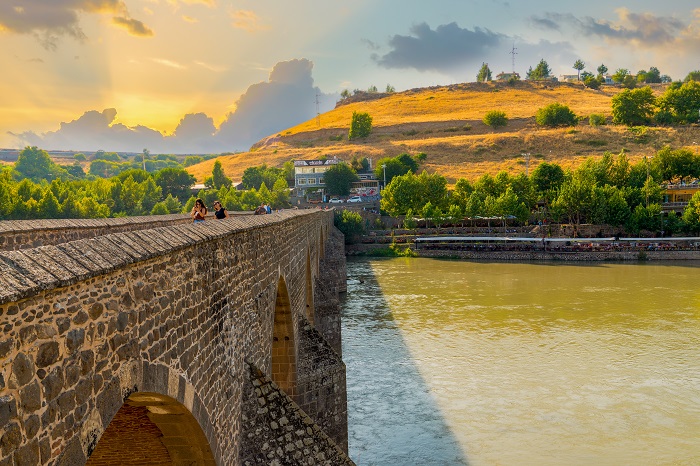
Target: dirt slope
{"x": 445, "y": 123}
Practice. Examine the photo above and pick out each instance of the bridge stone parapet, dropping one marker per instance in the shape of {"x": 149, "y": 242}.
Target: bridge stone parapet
{"x": 181, "y": 317}
{"x": 26, "y": 234}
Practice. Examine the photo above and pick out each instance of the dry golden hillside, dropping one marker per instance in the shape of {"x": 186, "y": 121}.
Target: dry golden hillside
{"x": 445, "y": 123}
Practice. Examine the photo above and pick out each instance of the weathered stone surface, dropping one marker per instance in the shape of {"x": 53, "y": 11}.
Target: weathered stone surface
{"x": 48, "y": 354}
{"x": 22, "y": 369}
{"x": 173, "y": 311}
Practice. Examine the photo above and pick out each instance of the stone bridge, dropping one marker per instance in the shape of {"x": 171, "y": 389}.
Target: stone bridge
{"x": 125, "y": 342}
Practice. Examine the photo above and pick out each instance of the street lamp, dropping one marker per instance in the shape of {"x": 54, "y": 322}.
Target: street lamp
{"x": 384, "y": 168}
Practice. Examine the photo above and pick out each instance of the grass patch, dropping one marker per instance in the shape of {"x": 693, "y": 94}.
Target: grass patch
{"x": 591, "y": 142}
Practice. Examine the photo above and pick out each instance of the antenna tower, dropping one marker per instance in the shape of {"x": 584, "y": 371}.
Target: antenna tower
{"x": 513, "y": 53}
{"x": 318, "y": 115}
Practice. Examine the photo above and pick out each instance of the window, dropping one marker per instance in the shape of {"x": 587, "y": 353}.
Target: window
{"x": 301, "y": 181}
{"x": 321, "y": 181}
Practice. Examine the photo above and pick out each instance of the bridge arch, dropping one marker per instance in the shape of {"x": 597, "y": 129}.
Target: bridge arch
{"x": 283, "y": 342}
{"x": 151, "y": 428}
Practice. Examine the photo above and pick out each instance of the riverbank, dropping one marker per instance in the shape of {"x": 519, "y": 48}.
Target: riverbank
{"x": 383, "y": 250}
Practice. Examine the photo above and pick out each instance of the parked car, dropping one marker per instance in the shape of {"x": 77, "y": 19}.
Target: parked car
{"x": 354, "y": 199}
{"x": 335, "y": 200}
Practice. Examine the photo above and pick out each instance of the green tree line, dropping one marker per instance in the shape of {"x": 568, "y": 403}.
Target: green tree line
{"x": 609, "y": 190}
{"x": 35, "y": 187}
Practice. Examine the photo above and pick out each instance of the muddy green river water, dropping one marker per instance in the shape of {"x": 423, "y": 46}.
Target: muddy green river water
{"x": 468, "y": 363}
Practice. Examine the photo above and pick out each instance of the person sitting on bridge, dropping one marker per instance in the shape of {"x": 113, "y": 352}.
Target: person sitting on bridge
{"x": 219, "y": 211}
{"x": 260, "y": 210}
{"x": 199, "y": 211}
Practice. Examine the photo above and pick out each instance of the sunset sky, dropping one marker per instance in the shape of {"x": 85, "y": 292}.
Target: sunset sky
{"x": 156, "y": 61}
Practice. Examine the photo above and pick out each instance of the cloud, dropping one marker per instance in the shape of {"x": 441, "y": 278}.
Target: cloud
{"x": 629, "y": 28}
{"x": 286, "y": 99}
{"x": 133, "y": 26}
{"x": 169, "y": 63}
{"x": 370, "y": 44}
{"x": 189, "y": 19}
{"x": 247, "y": 20}
{"x": 48, "y": 21}
{"x": 266, "y": 108}
{"x": 216, "y": 68}
{"x": 444, "y": 49}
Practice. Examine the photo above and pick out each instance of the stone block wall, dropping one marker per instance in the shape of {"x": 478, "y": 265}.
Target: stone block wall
{"x": 278, "y": 432}
{"x": 173, "y": 310}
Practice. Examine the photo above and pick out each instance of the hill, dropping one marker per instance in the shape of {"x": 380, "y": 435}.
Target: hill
{"x": 445, "y": 123}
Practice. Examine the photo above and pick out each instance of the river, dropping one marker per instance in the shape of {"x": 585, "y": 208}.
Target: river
{"x": 471, "y": 363}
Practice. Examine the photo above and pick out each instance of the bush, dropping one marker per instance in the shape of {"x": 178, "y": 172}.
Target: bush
{"x": 360, "y": 125}
{"x": 495, "y": 119}
{"x": 556, "y": 115}
{"x": 596, "y": 119}
{"x": 350, "y": 224}
{"x": 591, "y": 82}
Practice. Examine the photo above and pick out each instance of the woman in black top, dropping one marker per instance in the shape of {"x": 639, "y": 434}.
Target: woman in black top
{"x": 219, "y": 211}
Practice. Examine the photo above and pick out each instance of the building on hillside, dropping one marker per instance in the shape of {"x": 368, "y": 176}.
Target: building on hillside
{"x": 677, "y": 196}
{"x": 568, "y": 78}
{"x": 308, "y": 175}
{"x": 367, "y": 185}
{"x": 503, "y": 76}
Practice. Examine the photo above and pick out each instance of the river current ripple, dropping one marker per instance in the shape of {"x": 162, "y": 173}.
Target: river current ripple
{"x": 469, "y": 363}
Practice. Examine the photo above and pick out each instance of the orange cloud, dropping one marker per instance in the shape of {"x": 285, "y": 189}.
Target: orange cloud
{"x": 133, "y": 26}
{"x": 247, "y": 20}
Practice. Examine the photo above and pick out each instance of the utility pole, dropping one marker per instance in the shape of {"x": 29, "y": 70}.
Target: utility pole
{"x": 527, "y": 165}
{"x": 513, "y": 53}
{"x": 318, "y": 115}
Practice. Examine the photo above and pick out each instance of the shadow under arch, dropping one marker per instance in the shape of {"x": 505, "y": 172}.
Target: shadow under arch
{"x": 151, "y": 428}
{"x": 310, "y": 311}
{"x": 283, "y": 343}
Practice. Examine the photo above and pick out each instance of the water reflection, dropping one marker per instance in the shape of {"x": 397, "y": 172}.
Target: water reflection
{"x": 523, "y": 363}
{"x": 393, "y": 417}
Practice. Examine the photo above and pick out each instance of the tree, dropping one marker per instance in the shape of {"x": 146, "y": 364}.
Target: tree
{"x": 652, "y": 76}
{"x": 681, "y": 104}
{"x": 620, "y": 75}
{"x": 152, "y": 194}
{"x": 192, "y": 160}
{"x": 591, "y": 82}
{"x": 218, "y": 178}
{"x": 693, "y": 76}
{"x": 495, "y": 119}
{"x": 360, "y": 125}
{"x": 395, "y": 166}
{"x": 345, "y": 94}
{"x": 372, "y": 89}
{"x": 350, "y": 224}
{"x": 578, "y": 66}
{"x": 389, "y": 89}
{"x": 541, "y": 71}
{"x": 484, "y": 74}
{"x": 555, "y": 114}
{"x": 546, "y": 180}
{"x": 602, "y": 69}
{"x": 691, "y": 214}
{"x": 254, "y": 177}
{"x": 574, "y": 199}
{"x": 280, "y": 194}
{"x": 633, "y": 107}
{"x": 175, "y": 181}
{"x": 413, "y": 192}
{"x": 35, "y": 164}
{"x": 339, "y": 179}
